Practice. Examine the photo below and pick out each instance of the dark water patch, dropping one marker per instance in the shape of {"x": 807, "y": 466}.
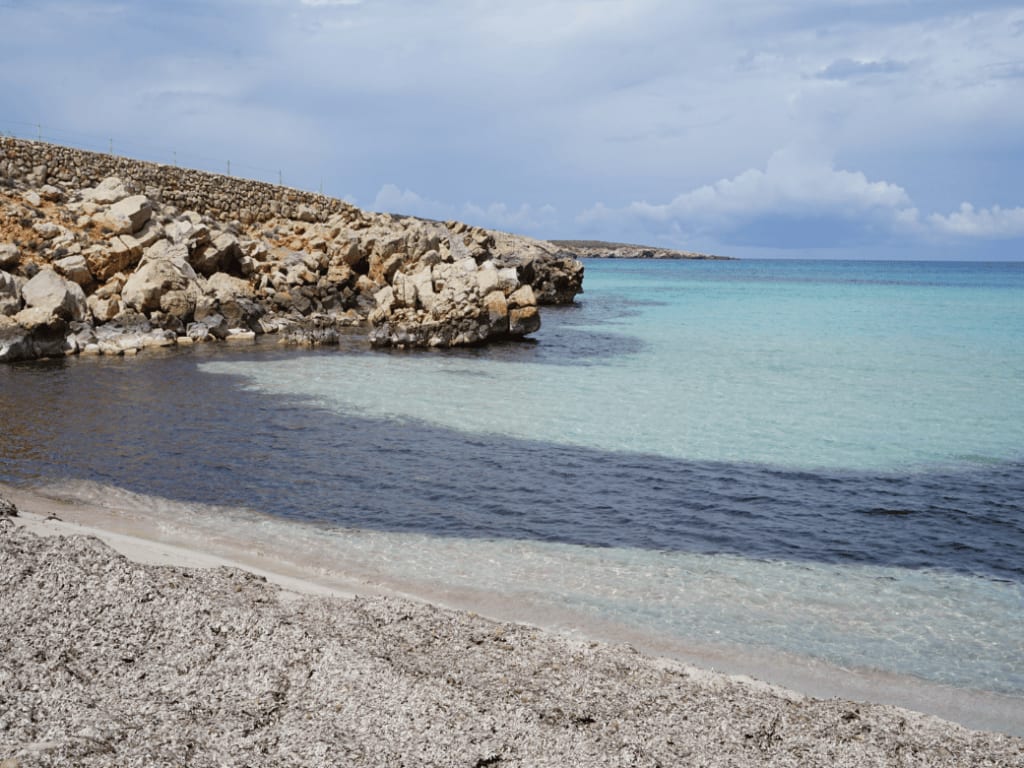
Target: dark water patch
{"x": 162, "y": 427}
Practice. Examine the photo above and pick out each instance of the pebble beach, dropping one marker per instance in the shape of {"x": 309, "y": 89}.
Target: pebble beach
{"x": 111, "y": 661}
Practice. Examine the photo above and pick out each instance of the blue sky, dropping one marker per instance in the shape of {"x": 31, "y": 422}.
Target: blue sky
{"x": 780, "y": 128}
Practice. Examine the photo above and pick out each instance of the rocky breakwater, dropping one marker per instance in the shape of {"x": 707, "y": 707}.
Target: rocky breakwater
{"x": 461, "y": 297}
{"x": 110, "y": 269}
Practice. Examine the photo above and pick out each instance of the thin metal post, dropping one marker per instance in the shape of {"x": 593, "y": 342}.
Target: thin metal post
{"x": 229, "y": 167}
{"x": 111, "y": 146}
{"x": 280, "y": 182}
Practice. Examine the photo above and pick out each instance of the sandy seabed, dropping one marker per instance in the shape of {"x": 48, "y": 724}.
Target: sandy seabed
{"x": 108, "y": 660}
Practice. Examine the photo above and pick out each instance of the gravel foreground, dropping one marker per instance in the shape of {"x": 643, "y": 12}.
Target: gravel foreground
{"x": 107, "y": 662}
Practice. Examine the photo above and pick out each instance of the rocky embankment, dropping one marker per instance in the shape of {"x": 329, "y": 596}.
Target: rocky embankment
{"x": 598, "y": 249}
{"x": 118, "y": 264}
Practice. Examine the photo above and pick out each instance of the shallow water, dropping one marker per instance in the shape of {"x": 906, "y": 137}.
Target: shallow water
{"x": 818, "y": 459}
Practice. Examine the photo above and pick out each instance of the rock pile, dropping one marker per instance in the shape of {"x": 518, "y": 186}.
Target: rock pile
{"x": 110, "y": 269}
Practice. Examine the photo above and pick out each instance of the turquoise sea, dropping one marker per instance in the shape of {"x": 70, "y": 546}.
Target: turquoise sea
{"x": 817, "y": 465}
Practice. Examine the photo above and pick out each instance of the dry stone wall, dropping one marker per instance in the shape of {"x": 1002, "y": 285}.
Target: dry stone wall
{"x": 223, "y": 197}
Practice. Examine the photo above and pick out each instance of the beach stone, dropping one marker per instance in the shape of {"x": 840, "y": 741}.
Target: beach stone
{"x": 7, "y": 507}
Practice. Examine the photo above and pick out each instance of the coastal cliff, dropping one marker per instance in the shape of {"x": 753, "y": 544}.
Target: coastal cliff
{"x": 105, "y": 255}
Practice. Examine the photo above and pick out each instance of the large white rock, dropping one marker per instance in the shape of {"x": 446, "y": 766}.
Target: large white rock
{"x": 127, "y": 216}
{"x": 156, "y": 277}
{"x": 104, "y": 309}
{"x": 487, "y": 277}
{"x": 9, "y": 255}
{"x": 74, "y": 268}
{"x": 15, "y": 341}
{"x": 109, "y": 191}
{"x": 51, "y": 292}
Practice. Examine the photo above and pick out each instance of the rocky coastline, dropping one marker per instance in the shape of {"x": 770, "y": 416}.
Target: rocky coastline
{"x": 104, "y": 255}
{"x": 599, "y": 249}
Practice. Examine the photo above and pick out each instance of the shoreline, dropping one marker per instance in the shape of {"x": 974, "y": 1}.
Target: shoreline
{"x": 119, "y": 663}
{"x": 145, "y": 538}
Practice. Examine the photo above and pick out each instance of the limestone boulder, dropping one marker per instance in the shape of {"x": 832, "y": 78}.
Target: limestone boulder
{"x": 110, "y": 190}
{"x": 75, "y": 269}
{"x": 10, "y": 294}
{"x": 523, "y": 321}
{"x": 10, "y": 255}
{"x": 47, "y": 230}
{"x": 15, "y": 341}
{"x": 221, "y": 254}
{"x": 161, "y": 273}
{"x": 496, "y": 306}
{"x": 104, "y": 308}
{"x": 33, "y": 332}
{"x": 51, "y": 193}
{"x": 127, "y": 216}
{"x": 235, "y": 300}
{"x": 52, "y": 293}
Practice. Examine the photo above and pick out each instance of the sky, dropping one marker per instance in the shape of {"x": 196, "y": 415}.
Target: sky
{"x": 752, "y": 128}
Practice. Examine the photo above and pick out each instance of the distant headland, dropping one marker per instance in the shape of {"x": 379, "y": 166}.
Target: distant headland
{"x": 598, "y": 249}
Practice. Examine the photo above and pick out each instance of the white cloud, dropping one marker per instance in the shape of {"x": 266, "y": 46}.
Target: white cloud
{"x": 791, "y": 184}
{"x": 994, "y": 222}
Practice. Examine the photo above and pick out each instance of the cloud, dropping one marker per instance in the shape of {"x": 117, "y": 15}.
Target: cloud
{"x": 800, "y": 201}
{"x": 990, "y": 223}
{"x": 791, "y": 185}
{"x": 850, "y": 69}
